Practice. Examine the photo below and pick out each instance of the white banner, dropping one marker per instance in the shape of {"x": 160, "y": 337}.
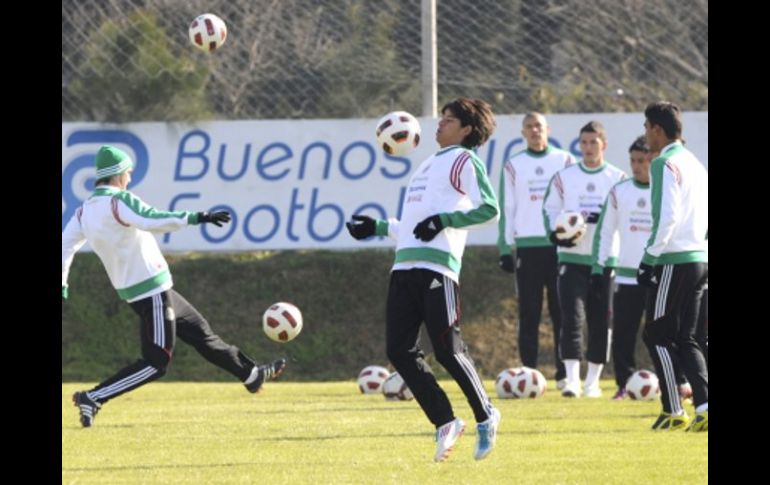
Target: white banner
{"x": 291, "y": 184}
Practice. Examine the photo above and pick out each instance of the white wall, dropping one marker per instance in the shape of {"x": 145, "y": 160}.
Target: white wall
{"x": 292, "y": 184}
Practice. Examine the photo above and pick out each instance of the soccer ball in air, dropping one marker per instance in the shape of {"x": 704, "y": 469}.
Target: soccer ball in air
{"x": 398, "y": 133}
{"x": 395, "y": 389}
{"x": 570, "y": 224}
{"x": 282, "y": 322}
{"x": 643, "y": 386}
{"x": 371, "y": 378}
{"x": 504, "y": 382}
{"x": 207, "y": 32}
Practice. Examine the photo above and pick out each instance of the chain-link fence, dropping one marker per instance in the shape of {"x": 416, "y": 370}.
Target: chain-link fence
{"x": 130, "y": 60}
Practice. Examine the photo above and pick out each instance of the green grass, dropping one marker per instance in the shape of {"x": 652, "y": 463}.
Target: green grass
{"x": 170, "y": 432}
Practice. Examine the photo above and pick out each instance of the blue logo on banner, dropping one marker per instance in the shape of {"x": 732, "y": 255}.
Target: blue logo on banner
{"x": 88, "y": 162}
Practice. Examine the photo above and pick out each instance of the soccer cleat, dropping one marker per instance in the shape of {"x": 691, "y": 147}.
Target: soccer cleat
{"x": 592, "y": 391}
{"x": 446, "y": 436}
{"x": 486, "y": 435}
{"x": 700, "y": 423}
{"x": 561, "y": 383}
{"x": 88, "y": 408}
{"x": 266, "y": 372}
{"x": 668, "y": 422}
{"x": 571, "y": 389}
{"x": 620, "y": 395}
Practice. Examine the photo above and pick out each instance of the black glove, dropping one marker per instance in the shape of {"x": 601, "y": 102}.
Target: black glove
{"x": 362, "y": 229}
{"x": 593, "y": 217}
{"x": 427, "y": 229}
{"x": 645, "y": 276}
{"x": 565, "y": 243}
{"x": 216, "y": 218}
{"x": 507, "y": 263}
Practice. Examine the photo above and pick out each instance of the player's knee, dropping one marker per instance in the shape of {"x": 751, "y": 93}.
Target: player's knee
{"x": 159, "y": 358}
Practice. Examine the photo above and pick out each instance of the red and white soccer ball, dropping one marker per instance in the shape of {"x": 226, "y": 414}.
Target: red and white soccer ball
{"x": 643, "y": 386}
{"x": 504, "y": 382}
{"x": 371, "y": 378}
{"x": 395, "y": 389}
{"x": 569, "y": 224}
{"x": 207, "y": 32}
{"x": 520, "y": 383}
{"x": 398, "y": 133}
{"x": 282, "y": 322}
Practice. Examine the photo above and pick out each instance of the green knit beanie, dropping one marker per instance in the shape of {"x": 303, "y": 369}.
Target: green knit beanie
{"x": 111, "y": 161}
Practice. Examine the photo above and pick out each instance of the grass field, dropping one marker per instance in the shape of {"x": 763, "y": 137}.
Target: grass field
{"x": 327, "y": 432}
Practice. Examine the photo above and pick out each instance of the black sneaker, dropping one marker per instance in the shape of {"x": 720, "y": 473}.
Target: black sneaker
{"x": 269, "y": 371}
{"x": 88, "y": 408}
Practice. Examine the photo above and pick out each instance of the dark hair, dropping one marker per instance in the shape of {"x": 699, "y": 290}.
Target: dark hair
{"x": 104, "y": 181}
{"x": 476, "y": 113}
{"x": 666, "y": 115}
{"x": 640, "y": 144}
{"x": 595, "y": 127}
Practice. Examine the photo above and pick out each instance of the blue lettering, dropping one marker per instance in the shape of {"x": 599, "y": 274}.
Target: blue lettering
{"x": 172, "y": 207}
{"x": 400, "y": 205}
{"x": 294, "y": 205}
{"x": 263, "y": 165}
{"x": 314, "y": 213}
{"x": 369, "y": 165}
{"x": 491, "y": 155}
{"x": 394, "y": 175}
{"x": 554, "y": 142}
{"x": 327, "y": 161}
{"x": 507, "y": 153}
{"x": 221, "y": 163}
{"x": 200, "y": 154}
{"x": 276, "y": 223}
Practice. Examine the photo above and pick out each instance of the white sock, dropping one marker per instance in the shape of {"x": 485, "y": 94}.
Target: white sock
{"x": 592, "y": 376}
{"x": 253, "y": 376}
{"x": 702, "y": 407}
{"x": 572, "y": 366}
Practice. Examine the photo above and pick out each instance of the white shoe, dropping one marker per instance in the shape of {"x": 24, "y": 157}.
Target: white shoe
{"x": 561, "y": 383}
{"x": 446, "y": 436}
{"x": 571, "y": 389}
{"x": 593, "y": 391}
{"x": 486, "y": 434}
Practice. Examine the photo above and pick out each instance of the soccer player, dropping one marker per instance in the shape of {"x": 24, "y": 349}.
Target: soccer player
{"x": 675, "y": 263}
{"x": 448, "y": 194}
{"x": 119, "y": 226}
{"x": 523, "y": 243}
{"x": 582, "y": 188}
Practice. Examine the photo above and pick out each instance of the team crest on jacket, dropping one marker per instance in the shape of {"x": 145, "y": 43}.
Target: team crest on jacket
{"x": 539, "y": 171}
{"x": 641, "y": 203}
{"x": 591, "y": 187}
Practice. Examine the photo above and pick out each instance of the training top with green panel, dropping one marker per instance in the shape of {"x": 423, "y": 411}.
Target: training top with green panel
{"x": 119, "y": 225}
{"x": 679, "y": 189}
{"x": 580, "y": 189}
{"x": 523, "y": 182}
{"x": 627, "y": 212}
{"x": 452, "y": 183}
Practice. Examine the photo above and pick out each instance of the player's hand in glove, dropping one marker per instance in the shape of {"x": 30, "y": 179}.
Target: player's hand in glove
{"x": 217, "y": 218}
{"x": 507, "y": 263}
{"x": 645, "y": 276}
{"x": 593, "y": 217}
{"x": 565, "y": 243}
{"x": 428, "y": 228}
{"x": 363, "y": 227}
